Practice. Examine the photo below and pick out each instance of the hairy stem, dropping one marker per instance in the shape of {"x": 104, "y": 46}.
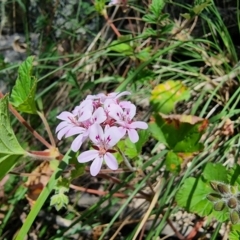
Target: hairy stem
{"x": 50, "y": 135}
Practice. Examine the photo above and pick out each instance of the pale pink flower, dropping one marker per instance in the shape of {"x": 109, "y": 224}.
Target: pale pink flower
{"x": 88, "y": 120}
{"x": 113, "y": 98}
{"x": 78, "y": 141}
{"x": 103, "y": 142}
{"x": 98, "y": 117}
{"x": 68, "y": 124}
{"x": 124, "y": 117}
{"x": 84, "y": 110}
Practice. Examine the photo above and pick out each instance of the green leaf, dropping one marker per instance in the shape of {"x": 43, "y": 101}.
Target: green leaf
{"x": 149, "y": 32}
{"x": 79, "y": 169}
{"x": 186, "y": 15}
{"x": 132, "y": 150}
{"x": 150, "y": 18}
{"x": 23, "y": 93}
{"x": 144, "y": 54}
{"x": 100, "y": 6}
{"x": 220, "y": 216}
{"x": 197, "y": 9}
{"x": 166, "y": 95}
{"x": 234, "y": 232}
{"x": 155, "y": 129}
{"x": 215, "y": 171}
{"x": 156, "y": 7}
{"x": 234, "y": 175}
{"x": 187, "y": 131}
{"x": 173, "y": 162}
{"x": 123, "y": 48}
{"x": 143, "y": 137}
{"x": 59, "y": 201}
{"x": 10, "y": 149}
{"x": 192, "y": 196}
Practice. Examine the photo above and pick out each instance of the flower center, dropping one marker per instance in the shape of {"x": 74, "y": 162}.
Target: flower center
{"x": 102, "y": 151}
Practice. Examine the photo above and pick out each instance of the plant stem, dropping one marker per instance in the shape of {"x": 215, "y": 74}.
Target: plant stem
{"x": 112, "y": 25}
{"x": 126, "y": 161}
{"x": 45, "y": 122}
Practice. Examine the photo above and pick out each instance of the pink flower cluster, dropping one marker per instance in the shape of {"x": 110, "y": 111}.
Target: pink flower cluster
{"x": 103, "y": 119}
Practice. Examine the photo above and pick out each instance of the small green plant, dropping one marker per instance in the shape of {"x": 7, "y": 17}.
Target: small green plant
{"x": 214, "y": 194}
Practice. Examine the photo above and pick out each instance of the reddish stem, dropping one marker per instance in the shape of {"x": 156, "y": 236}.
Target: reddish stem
{"x": 179, "y": 235}
{"x": 97, "y": 192}
{"x": 111, "y": 25}
{"x": 195, "y": 229}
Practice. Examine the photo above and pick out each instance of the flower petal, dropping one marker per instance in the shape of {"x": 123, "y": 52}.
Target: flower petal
{"x": 96, "y": 166}
{"x": 122, "y": 131}
{"x": 77, "y": 143}
{"x": 111, "y": 161}
{"x": 139, "y": 124}
{"x": 87, "y": 156}
{"x": 125, "y": 104}
{"x": 62, "y": 132}
{"x": 92, "y": 97}
{"x": 61, "y": 125}
{"x": 132, "y": 111}
{"x": 65, "y": 115}
{"x": 85, "y": 114}
{"x": 96, "y": 133}
{"x": 122, "y": 94}
{"x": 75, "y": 130}
{"x": 115, "y": 112}
{"x": 133, "y": 135}
{"x": 112, "y": 135}
{"x": 87, "y": 103}
{"x": 99, "y": 116}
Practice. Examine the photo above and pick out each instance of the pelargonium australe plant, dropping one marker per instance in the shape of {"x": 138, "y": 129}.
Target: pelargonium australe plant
{"x": 104, "y": 120}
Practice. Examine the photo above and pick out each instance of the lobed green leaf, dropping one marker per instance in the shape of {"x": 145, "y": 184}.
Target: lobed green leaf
{"x": 10, "y": 149}
{"x": 192, "y": 196}
{"x": 23, "y": 93}
{"x": 187, "y": 131}
{"x": 215, "y": 172}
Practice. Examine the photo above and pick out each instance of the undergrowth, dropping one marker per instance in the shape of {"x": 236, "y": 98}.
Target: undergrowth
{"x": 180, "y": 62}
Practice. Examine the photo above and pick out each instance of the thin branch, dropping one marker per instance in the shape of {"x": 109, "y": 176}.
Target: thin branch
{"x": 49, "y": 132}
{"x": 111, "y": 25}
{"x": 100, "y": 193}
{"x": 126, "y": 161}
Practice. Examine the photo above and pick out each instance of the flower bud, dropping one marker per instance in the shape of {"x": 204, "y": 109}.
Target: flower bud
{"x": 213, "y": 197}
{"x": 223, "y": 189}
{"x": 219, "y": 206}
{"x": 214, "y": 185}
{"x": 232, "y": 202}
{"x": 234, "y": 189}
{"x": 234, "y": 217}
